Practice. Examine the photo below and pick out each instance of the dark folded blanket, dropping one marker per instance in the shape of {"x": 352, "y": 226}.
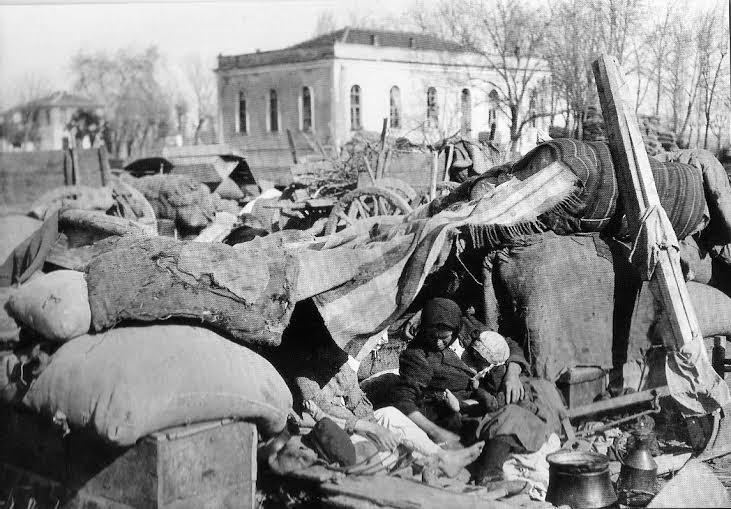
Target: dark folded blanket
{"x": 243, "y": 291}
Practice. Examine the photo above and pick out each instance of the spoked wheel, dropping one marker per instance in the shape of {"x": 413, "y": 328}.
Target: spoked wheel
{"x": 363, "y": 203}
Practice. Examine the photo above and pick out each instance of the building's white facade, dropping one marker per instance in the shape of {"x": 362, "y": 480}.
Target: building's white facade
{"x": 48, "y": 117}
{"x": 425, "y": 93}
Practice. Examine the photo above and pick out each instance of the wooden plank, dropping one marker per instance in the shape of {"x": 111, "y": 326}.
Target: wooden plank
{"x": 638, "y": 192}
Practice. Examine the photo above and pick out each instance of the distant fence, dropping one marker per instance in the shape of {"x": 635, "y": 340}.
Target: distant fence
{"x": 24, "y": 176}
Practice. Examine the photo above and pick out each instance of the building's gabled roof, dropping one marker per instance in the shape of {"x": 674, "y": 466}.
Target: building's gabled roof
{"x": 66, "y": 100}
{"x": 323, "y": 46}
{"x": 59, "y": 99}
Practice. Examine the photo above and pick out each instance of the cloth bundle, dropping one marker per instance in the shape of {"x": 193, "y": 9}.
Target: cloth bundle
{"x": 178, "y": 198}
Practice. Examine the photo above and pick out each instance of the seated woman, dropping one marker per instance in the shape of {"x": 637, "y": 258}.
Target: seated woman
{"x": 520, "y": 418}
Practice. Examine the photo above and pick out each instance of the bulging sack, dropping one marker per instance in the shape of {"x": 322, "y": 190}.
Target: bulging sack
{"x": 55, "y": 305}
{"x": 129, "y": 382}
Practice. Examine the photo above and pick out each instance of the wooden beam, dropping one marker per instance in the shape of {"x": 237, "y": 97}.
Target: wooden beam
{"x": 381, "y": 155}
{"x": 638, "y": 192}
{"x": 291, "y": 146}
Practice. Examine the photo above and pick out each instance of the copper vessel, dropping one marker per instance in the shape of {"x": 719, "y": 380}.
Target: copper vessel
{"x": 637, "y": 483}
{"x": 580, "y": 479}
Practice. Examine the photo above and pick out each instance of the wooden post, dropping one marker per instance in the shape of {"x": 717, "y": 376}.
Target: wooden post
{"x": 368, "y": 167}
{"x": 433, "y": 183}
{"x": 68, "y": 167}
{"x": 104, "y": 165}
{"x": 291, "y": 146}
{"x": 380, "y": 163}
{"x": 638, "y": 192}
{"x": 74, "y": 166}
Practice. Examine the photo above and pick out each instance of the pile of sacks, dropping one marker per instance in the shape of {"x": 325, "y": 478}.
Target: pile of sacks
{"x": 124, "y": 383}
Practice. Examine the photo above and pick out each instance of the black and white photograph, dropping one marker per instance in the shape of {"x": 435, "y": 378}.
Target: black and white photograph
{"x": 365, "y": 254}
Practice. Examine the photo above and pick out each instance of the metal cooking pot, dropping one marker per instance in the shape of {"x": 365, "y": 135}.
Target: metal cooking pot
{"x": 580, "y": 479}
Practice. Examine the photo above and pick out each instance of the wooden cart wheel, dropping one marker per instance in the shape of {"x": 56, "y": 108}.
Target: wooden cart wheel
{"x": 362, "y": 203}
{"x": 399, "y": 186}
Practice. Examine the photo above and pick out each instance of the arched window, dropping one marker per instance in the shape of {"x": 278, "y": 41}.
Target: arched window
{"x": 241, "y": 125}
{"x": 355, "y": 123}
{"x": 306, "y": 109}
{"x": 466, "y": 104}
{"x": 432, "y": 110}
{"x": 394, "y": 101}
{"x": 273, "y": 111}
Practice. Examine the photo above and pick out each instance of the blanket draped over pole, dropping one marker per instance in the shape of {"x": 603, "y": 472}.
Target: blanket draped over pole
{"x": 692, "y": 380}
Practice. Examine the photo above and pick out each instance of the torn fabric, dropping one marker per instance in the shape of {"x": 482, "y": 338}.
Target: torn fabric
{"x": 692, "y": 380}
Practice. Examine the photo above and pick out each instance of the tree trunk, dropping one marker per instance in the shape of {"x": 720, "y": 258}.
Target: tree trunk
{"x": 705, "y": 136}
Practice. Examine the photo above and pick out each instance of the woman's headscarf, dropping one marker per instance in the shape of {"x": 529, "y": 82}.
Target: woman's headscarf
{"x": 441, "y": 311}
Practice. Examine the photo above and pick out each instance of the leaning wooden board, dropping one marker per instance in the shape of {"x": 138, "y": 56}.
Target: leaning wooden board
{"x": 638, "y": 192}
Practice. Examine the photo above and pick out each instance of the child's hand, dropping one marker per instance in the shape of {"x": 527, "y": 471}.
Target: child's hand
{"x": 451, "y": 400}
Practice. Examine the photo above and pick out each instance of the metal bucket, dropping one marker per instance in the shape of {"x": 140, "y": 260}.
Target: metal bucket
{"x": 580, "y": 479}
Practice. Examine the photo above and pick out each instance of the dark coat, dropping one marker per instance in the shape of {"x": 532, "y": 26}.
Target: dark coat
{"x": 424, "y": 375}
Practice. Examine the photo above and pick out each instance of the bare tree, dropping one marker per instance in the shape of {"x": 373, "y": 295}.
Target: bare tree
{"x": 570, "y": 63}
{"x": 509, "y": 36}
{"x": 203, "y": 84}
{"x": 682, "y": 72}
{"x": 659, "y": 44}
{"x": 137, "y": 110}
{"x": 713, "y": 47}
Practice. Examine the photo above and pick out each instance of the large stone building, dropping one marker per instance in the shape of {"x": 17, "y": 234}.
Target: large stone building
{"x": 335, "y": 85}
{"x": 42, "y": 124}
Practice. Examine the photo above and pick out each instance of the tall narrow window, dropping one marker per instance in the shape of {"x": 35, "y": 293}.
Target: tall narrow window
{"x": 492, "y": 111}
{"x": 432, "y": 110}
{"x": 306, "y": 109}
{"x": 466, "y": 103}
{"x": 395, "y": 108}
{"x": 355, "y": 123}
{"x": 273, "y": 111}
{"x": 241, "y": 126}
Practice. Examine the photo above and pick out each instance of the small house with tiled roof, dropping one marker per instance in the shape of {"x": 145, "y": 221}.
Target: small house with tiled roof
{"x": 46, "y": 118}
{"x": 325, "y": 89}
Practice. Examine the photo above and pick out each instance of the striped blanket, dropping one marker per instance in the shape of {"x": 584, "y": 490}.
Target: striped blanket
{"x": 680, "y": 187}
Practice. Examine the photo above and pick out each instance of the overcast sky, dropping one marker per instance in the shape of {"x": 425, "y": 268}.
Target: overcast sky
{"x": 40, "y": 39}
